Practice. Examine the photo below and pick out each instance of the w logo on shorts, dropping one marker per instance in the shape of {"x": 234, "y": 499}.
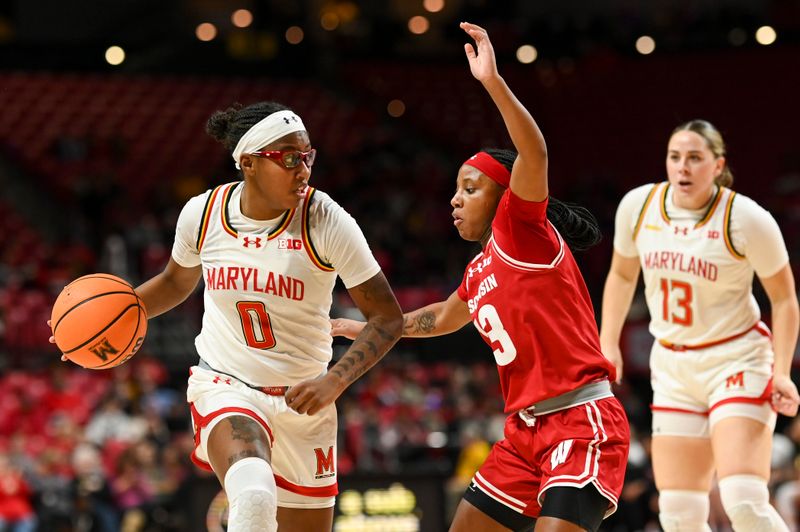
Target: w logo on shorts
{"x": 560, "y": 453}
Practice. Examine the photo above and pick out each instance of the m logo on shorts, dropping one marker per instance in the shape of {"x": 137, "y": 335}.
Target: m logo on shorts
{"x": 560, "y": 454}
{"x": 325, "y": 464}
{"x": 735, "y": 381}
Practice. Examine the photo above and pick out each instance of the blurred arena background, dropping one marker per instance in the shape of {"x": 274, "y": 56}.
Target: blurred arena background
{"x": 102, "y": 113}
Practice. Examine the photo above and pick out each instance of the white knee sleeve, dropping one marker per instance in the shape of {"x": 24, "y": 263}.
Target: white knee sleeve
{"x": 746, "y": 501}
{"x": 683, "y": 511}
{"x": 252, "y": 496}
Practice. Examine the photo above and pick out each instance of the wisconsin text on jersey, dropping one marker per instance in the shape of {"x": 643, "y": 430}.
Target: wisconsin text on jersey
{"x": 249, "y": 279}
{"x": 675, "y": 260}
{"x": 486, "y": 286}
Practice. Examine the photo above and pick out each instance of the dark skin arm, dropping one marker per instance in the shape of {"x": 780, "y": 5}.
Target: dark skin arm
{"x": 169, "y": 288}
{"x": 375, "y": 300}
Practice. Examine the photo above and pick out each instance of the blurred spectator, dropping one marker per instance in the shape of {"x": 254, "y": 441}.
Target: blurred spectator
{"x": 16, "y": 510}
{"x": 474, "y": 450}
{"x": 95, "y": 510}
{"x": 132, "y": 490}
{"x": 111, "y": 422}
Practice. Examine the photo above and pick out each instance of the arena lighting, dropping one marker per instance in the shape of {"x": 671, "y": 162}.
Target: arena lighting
{"x": 206, "y": 31}
{"x": 766, "y": 35}
{"x": 396, "y": 108}
{"x": 645, "y": 45}
{"x": 115, "y": 55}
{"x": 294, "y": 34}
{"x": 418, "y": 25}
{"x": 242, "y": 18}
{"x": 437, "y": 440}
{"x": 329, "y": 21}
{"x": 433, "y": 6}
{"x": 527, "y": 54}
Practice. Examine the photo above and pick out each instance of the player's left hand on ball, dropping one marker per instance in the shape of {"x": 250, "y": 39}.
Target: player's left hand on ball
{"x": 785, "y": 398}
{"x": 52, "y": 339}
{"x": 309, "y": 397}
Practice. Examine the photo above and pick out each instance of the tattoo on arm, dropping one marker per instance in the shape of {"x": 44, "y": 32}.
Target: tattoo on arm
{"x": 367, "y": 349}
{"x": 424, "y": 322}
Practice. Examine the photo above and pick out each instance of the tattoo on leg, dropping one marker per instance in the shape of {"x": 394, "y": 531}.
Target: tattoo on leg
{"x": 247, "y": 453}
{"x": 244, "y": 429}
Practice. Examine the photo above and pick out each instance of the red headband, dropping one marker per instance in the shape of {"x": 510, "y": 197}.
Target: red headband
{"x": 491, "y": 167}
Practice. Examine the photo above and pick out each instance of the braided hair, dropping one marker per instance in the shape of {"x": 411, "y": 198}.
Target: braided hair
{"x": 229, "y": 125}
{"x": 576, "y": 224}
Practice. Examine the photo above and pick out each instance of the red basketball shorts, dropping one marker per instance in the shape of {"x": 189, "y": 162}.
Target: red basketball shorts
{"x": 577, "y": 446}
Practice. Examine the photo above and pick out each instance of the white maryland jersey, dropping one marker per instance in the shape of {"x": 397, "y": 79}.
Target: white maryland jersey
{"x": 268, "y": 284}
{"x": 698, "y": 264}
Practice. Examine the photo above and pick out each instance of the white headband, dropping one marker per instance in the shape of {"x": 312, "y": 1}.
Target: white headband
{"x": 266, "y": 132}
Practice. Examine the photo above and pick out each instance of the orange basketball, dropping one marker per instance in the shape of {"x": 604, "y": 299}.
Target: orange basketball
{"x": 99, "y": 321}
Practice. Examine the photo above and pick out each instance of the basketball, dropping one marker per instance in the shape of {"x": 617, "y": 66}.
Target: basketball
{"x": 98, "y": 321}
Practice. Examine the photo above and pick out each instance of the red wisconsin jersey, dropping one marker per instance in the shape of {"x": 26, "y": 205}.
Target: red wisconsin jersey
{"x": 528, "y": 300}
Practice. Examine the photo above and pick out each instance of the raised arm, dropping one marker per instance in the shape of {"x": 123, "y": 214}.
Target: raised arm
{"x": 529, "y": 175}
{"x": 436, "y": 319}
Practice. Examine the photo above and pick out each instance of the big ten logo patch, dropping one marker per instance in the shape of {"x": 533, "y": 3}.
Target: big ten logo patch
{"x": 290, "y": 243}
{"x": 326, "y": 463}
{"x": 735, "y": 381}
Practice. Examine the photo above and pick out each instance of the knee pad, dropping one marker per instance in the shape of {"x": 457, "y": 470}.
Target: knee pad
{"x": 683, "y": 511}
{"x": 746, "y": 501}
{"x": 252, "y": 496}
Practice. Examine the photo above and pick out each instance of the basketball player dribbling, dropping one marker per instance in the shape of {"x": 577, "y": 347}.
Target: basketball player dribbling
{"x": 718, "y": 375}
{"x": 562, "y": 462}
{"x": 269, "y": 248}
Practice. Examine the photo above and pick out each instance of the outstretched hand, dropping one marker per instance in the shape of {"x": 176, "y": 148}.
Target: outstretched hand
{"x": 482, "y": 62}
{"x": 347, "y": 328}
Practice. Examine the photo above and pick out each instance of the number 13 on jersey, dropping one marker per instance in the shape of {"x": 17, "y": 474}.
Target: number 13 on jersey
{"x": 679, "y": 309}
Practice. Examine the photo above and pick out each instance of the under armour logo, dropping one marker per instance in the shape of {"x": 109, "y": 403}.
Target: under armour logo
{"x": 287, "y": 118}
{"x": 218, "y": 379}
{"x": 684, "y": 230}
{"x": 246, "y": 241}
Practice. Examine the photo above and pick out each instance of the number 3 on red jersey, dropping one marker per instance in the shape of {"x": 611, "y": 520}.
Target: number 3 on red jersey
{"x": 489, "y": 324}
